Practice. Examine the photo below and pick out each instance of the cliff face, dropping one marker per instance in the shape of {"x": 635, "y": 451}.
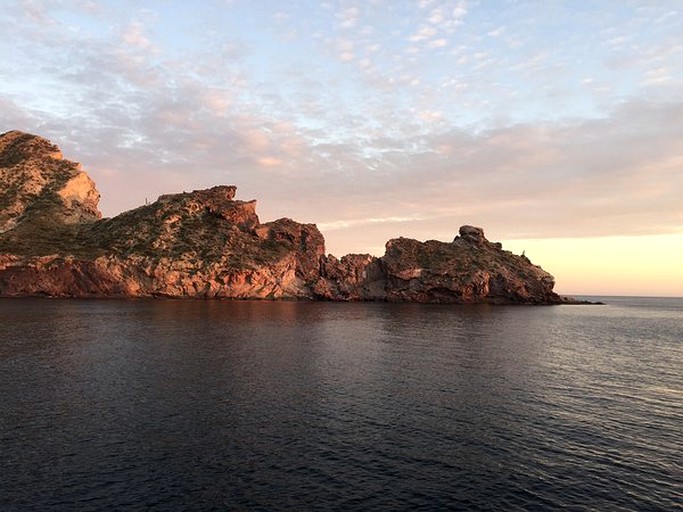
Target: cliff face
{"x": 39, "y": 185}
{"x": 207, "y": 244}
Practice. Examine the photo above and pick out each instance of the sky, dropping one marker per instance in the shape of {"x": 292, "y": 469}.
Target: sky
{"x": 557, "y": 126}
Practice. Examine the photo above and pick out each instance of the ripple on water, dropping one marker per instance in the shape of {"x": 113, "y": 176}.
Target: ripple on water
{"x": 298, "y": 406}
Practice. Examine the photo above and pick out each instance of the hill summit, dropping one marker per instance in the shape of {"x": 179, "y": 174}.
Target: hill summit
{"x": 207, "y": 244}
{"x": 38, "y": 184}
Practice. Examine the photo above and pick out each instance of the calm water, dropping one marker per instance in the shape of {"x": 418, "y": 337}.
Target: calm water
{"x": 163, "y": 405}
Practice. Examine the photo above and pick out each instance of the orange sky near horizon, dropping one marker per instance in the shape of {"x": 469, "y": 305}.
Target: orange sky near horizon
{"x": 618, "y": 265}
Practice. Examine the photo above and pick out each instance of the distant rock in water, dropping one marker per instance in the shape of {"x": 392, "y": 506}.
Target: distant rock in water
{"x": 207, "y": 244}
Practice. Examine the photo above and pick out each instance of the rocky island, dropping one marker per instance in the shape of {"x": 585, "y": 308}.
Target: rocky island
{"x": 207, "y": 244}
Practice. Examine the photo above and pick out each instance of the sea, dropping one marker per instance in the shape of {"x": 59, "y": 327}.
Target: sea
{"x": 165, "y": 405}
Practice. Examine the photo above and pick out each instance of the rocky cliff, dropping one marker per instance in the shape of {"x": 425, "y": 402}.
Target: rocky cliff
{"x": 207, "y": 244}
{"x": 38, "y": 185}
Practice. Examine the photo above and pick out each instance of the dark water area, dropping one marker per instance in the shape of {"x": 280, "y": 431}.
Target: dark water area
{"x": 191, "y": 405}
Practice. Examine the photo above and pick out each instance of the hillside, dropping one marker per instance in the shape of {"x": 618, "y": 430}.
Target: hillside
{"x": 207, "y": 244}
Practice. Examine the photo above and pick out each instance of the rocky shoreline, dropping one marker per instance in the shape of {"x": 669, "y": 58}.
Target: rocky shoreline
{"x": 207, "y": 244}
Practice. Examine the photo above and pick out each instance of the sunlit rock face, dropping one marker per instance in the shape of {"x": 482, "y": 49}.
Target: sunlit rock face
{"x": 207, "y": 244}
{"x": 39, "y": 185}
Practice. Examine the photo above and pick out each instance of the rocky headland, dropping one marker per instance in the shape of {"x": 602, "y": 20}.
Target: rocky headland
{"x": 207, "y": 244}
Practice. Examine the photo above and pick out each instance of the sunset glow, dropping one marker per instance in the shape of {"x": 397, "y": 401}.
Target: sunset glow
{"x": 620, "y": 265}
{"x": 555, "y": 126}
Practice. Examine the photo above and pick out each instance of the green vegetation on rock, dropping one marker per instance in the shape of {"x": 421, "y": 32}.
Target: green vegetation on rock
{"x": 207, "y": 244}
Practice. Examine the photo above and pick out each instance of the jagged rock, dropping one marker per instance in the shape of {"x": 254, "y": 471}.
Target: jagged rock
{"x": 474, "y": 271}
{"x": 354, "y": 277}
{"x": 472, "y": 235}
{"x": 207, "y": 244}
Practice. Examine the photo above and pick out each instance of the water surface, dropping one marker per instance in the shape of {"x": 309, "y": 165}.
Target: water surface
{"x": 193, "y": 405}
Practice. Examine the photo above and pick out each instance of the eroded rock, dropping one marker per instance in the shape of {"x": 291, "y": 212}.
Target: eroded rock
{"x": 207, "y": 244}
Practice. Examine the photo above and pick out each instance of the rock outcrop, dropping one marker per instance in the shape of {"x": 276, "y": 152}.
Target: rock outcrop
{"x": 39, "y": 185}
{"x": 207, "y": 244}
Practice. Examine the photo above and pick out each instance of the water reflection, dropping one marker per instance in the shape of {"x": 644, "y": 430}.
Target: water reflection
{"x": 284, "y": 405}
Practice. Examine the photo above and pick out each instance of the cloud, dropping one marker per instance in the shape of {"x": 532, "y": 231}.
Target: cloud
{"x": 269, "y": 161}
{"x": 409, "y": 140}
{"x": 423, "y": 33}
{"x": 438, "y": 43}
{"x": 345, "y": 48}
{"x": 35, "y": 12}
{"x": 356, "y": 223}
{"x": 133, "y": 35}
{"x": 348, "y": 17}
{"x": 497, "y": 32}
{"x": 591, "y": 178}
{"x": 657, "y": 76}
{"x": 14, "y": 117}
